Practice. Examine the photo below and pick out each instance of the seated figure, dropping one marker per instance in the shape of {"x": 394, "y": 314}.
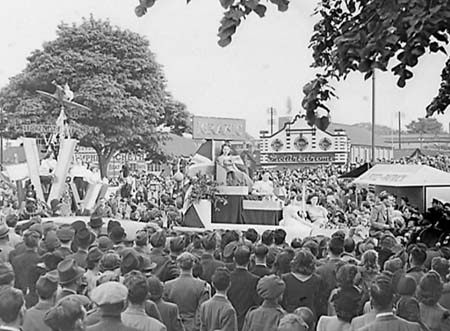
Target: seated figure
{"x": 235, "y": 176}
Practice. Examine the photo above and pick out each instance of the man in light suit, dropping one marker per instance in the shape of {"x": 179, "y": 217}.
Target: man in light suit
{"x": 382, "y": 298}
{"x": 380, "y": 218}
{"x": 187, "y": 292}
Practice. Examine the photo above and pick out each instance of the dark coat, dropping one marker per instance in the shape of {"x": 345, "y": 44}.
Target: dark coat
{"x": 170, "y": 315}
{"x": 242, "y": 293}
{"x": 260, "y": 270}
{"x": 27, "y": 274}
{"x": 263, "y": 318}
{"x": 80, "y": 258}
{"x": 208, "y": 265}
{"x": 110, "y": 323}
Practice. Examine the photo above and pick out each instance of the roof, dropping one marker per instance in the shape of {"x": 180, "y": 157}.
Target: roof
{"x": 359, "y": 136}
{"x": 180, "y": 146}
{"x": 404, "y": 175}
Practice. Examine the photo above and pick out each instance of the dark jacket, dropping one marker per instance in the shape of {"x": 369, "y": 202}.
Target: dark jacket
{"x": 170, "y": 315}
{"x": 110, "y": 323}
{"x": 208, "y": 265}
{"x": 242, "y": 293}
{"x": 27, "y": 274}
{"x": 260, "y": 270}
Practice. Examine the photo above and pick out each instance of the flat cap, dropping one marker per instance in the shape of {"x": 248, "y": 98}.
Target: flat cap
{"x": 110, "y": 261}
{"x": 109, "y": 293}
{"x": 104, "y": 243}
{"x": 65, "y": 232}
{"x": 94, "y": 254}
{"x": 270, "y": 287}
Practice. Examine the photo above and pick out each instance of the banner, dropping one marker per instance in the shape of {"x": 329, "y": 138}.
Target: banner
{"x": 305, "y": 158}
{"x": 218, "y": 128}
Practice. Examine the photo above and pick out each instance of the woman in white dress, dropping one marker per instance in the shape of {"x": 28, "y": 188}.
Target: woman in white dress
{"x": 316, "y": 213}
{"x": 293, "y": 213}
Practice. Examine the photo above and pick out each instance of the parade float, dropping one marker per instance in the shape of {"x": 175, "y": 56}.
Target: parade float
{"x": 221, "y": 195}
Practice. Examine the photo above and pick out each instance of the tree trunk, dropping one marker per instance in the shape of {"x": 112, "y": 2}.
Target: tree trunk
{"x": 103, "y": 162}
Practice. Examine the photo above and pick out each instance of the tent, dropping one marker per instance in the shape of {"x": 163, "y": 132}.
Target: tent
{"x": 355, "y": 173}
{"x": 419, "y": 183}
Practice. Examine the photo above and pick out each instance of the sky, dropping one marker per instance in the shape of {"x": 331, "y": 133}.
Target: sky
{"x": 267, "y": 62}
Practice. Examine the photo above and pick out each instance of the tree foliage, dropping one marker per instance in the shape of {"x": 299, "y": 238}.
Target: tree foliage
{"x": 111, "y": 71}
{"x": 425, "y": 125}
{"x": 358, "y": 36}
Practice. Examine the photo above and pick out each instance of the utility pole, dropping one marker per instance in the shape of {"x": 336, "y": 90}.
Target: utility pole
{"x": 272, "y": 113}
{"x": 373, "y": 117}
{"x": 399, "y": 130}
{"x": 1, "y": 139}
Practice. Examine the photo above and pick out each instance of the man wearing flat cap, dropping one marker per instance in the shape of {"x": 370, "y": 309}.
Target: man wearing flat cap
{"x": 268, "y": 315}
{"x": 187, "y": 292}
{"x": 65, "y": 234}
{"x": 111, "y": 298}
{"x": 46, "y": 287}
{"x": 68, "y": 314}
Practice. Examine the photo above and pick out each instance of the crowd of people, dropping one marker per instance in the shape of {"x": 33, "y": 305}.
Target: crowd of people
{"x": 384, "y": 267}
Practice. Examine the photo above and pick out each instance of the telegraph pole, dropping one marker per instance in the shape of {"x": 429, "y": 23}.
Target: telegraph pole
{"x": 272, "y": 113}
{"x": 399, "y": 130}
{"x": 373, "y": 117}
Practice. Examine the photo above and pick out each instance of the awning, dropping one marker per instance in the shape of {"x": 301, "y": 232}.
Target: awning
{"x": 355, "y": 173}
{"x": 404, "y": 175}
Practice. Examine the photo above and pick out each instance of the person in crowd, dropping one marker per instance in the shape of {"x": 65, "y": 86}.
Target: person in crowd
{"x": 346, "y": 305}
{"x": 5, "y": 247}
{"x": 84, "y": 238}
{"x": 111, "y": 298}
{"x": 307, "y": 317}
{"x": 264, "y": 187}
{"x": 315, "y": 212}
{"x": 303, "y": 279}
{"x": 432, "y": 314}
{"x": 6, "y": 276}
{"x": 141, "y": 242}
{"x": 170, "y": 315}
{"x": 157, "y": 254}
{"x": 187, "y": 292}
{"x": 266, "y": 317}
{"x": 208, "y": 262}
{"x": 68, "y": 314}
{"x": 242, "y": 292}
{"x": 382, "y": 300}
{"x": 260, "y": 267}
{"x": 407, "y": 305}
{"x": 292, "y": 322}
{"x": 368, "y": 270}
{"x": 93, "y": 268}
{"x": 380, "y": 218}
{"x": 218, "y": 313}
{"x": 65, "y": 234}
{"x": 134, "y": 315}
{"x": 328, "y": 269}
{"x": 416, "y": 259}
{"x": 70, "y": 277}
{"x": 95, "y": 224}
{"x": 12, "y": 309}
{"x": 26, "y": 269}
{"x": 46, "y": 287}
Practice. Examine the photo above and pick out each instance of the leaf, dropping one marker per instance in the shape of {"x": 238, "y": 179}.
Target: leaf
{"x": 223, "y": 42}
{"x": 260, "y": 10}
{"x": 226, "y": 3}
{"x": 140, "y": 11}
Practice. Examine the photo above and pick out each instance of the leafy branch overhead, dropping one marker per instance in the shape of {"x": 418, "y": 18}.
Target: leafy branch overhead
{"x": 361, "y": 36}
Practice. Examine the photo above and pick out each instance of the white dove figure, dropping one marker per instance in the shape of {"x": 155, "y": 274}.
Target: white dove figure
{"x": 68, "y": 94}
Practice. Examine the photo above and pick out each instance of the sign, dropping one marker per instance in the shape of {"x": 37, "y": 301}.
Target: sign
{"x": 392, "y": 177}
{"x": 218, "y": 128}
{"x": 308, "y": 158}
{"x": 39, "y": 128}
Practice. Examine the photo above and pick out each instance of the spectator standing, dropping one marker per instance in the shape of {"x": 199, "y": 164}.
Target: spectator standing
{"x": 187, "y": 292}
{"x": 218, "y": 313}
{"x": 46, "y": 287}
{"x": 11, "y": 309}
{"x": 242, "y": 292}
{"x": 134, "y": 315}
{"x": 268, "y": 315}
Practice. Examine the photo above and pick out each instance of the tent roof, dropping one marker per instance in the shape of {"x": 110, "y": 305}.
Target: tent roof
{"x": 404, "y": 175}
{"x": 354, "y": 173}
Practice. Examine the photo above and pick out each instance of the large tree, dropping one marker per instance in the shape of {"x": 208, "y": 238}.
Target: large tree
{"x": 111, "y": 71}
{"x": 357, "y": 36}
{"x": 425, "y": 125}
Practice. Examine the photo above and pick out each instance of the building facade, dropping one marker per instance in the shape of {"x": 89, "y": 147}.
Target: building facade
{"x": 298, "y": 144}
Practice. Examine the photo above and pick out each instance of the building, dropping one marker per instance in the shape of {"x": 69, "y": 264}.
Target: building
{"x": 298, "y": 144}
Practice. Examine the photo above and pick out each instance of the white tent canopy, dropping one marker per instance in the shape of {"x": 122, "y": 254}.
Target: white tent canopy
{"x": 404, "y": 175}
